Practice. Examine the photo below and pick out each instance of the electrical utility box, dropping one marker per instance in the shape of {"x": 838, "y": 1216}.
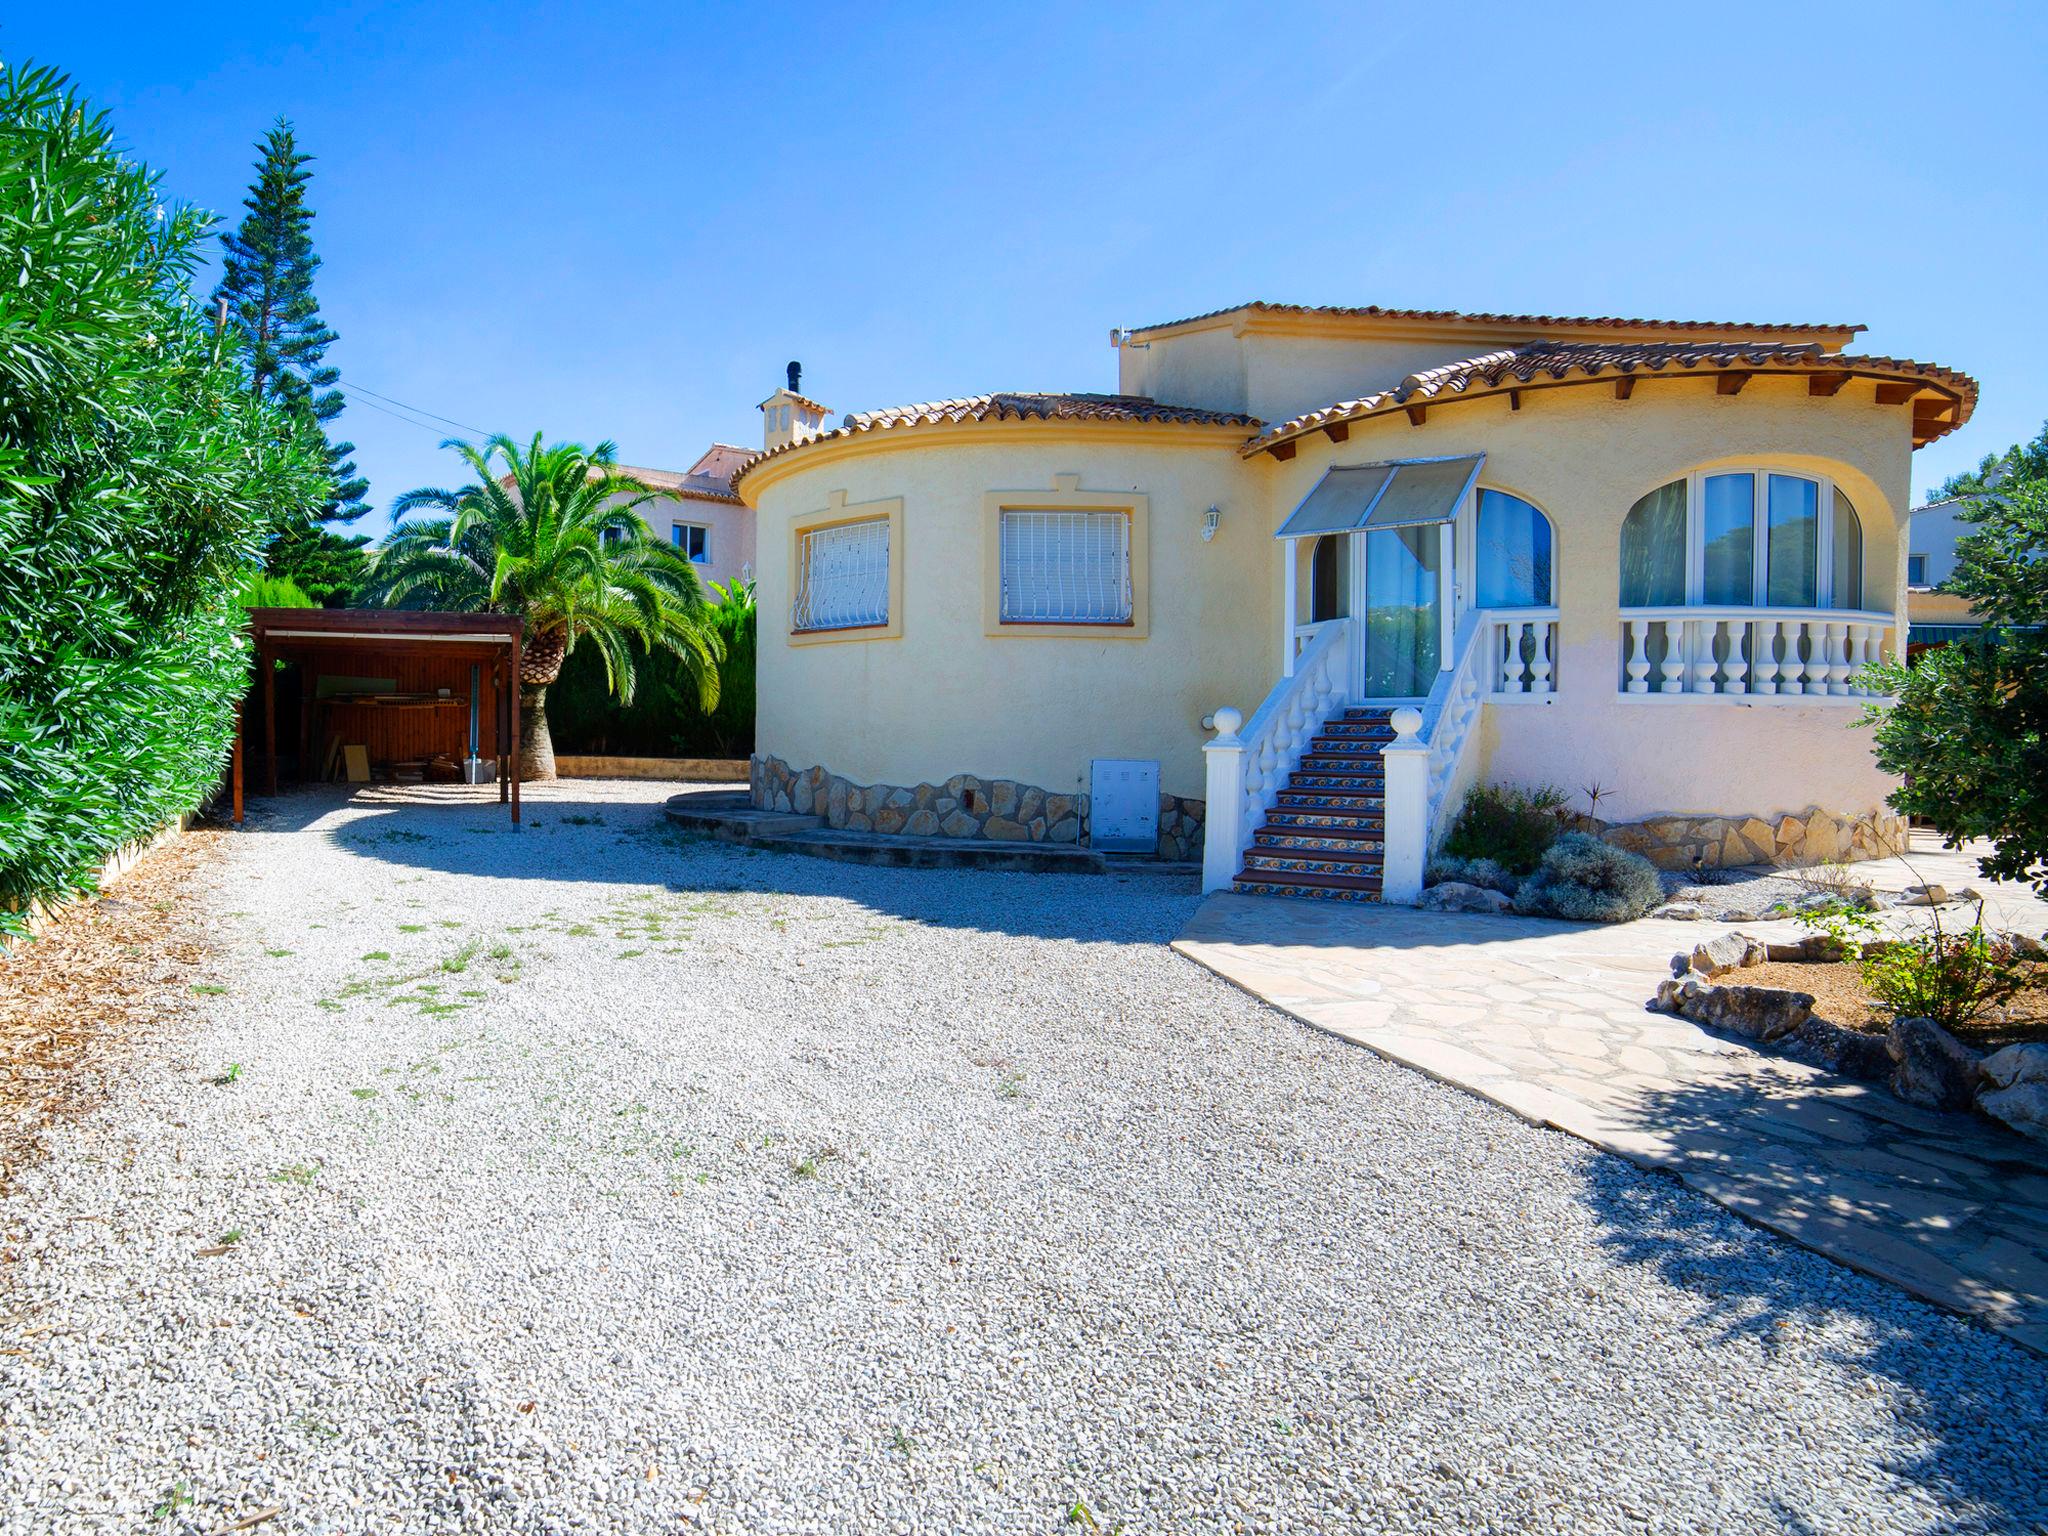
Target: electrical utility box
{"x": 1123, "y": 805}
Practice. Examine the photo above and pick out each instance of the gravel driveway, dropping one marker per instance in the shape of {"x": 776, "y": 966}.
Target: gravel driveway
{"x": 590, "y": 1178}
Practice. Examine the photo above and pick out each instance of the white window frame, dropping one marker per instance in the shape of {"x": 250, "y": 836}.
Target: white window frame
{"x": 1059, "y": 520}
{"x": 1759, "y": 532}
{"x": 675, "y": 528}
{"x": 1911, "y": 579}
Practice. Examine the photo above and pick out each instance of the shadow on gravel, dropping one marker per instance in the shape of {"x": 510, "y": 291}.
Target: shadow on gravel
{"x": 1979, "y": 1400}
{"x": 567, "y": 836}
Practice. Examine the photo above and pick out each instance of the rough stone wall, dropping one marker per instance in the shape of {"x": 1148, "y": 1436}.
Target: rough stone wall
{"x": 964, "y": 806}
{"x": 1813, "y": 836}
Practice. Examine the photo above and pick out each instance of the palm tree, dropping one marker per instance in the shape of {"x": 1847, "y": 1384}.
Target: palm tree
{"x": 552, "y": 535}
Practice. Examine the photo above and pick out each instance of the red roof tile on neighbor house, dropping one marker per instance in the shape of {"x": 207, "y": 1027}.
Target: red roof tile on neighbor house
{"x": 1540, "y": 362}
{"x": 721, "y": 461}
{"x": 1519, "y": 322}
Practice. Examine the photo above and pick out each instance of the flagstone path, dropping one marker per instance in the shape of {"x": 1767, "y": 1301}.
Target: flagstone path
{"x": 1547, "y": 1019}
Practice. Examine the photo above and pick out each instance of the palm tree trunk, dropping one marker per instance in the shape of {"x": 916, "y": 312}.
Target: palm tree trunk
{"x": 536, "y": 746}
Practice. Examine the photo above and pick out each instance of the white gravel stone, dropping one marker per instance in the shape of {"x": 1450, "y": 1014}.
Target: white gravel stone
{"x": 713, "y": 1190}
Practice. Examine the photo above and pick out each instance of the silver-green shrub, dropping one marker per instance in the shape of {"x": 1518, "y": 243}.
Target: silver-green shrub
{"x": 1485, "y": 873}
{"x": 1586, "y": 880}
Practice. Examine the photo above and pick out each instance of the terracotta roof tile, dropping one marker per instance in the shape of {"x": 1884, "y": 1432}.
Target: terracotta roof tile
{"x": 1530, "y": 322}
{"x": 1538, "y": 362}
{"x": 1017, "y": 407}
{"x": 681, "y": 483}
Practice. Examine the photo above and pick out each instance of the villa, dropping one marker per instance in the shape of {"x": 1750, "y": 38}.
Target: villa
{"x": 695, "y": 510}
{"x": 1311, "y": 573}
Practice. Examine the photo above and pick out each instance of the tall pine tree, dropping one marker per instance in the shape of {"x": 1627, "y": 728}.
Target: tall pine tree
{"x": 267, "y": 282}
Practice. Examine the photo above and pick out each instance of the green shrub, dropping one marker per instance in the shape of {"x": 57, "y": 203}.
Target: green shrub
{"x": 665, "y": 718}
{"x": 1484, "y": 873}
{"x": 1511, "y": 826}
{"x": 1952, "y": 976}
{"x": 1588, "y": 881}
{"x": 138, "y": 478}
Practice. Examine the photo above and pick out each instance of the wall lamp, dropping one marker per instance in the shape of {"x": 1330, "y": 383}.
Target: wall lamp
{"x": 1211, "y": 520}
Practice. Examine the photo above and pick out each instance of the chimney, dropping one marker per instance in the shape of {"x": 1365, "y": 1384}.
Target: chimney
{"x": 787, "y": 416}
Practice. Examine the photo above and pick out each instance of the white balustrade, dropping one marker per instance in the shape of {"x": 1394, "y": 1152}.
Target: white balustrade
{"x": 1521, "y": 651}
{"x": 1752, "y": 652}
{"x": 1247, "y": 766}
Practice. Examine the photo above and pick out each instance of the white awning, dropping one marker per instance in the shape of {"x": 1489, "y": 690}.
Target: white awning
{"x": 1403, "y": 493}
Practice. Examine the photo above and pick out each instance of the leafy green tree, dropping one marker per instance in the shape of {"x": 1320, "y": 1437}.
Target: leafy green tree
{"x": 553, "y": 535}
{"x": 268, "y": 266}
{"x": 1969, "y": 728}
{"x": 138, "y": 477}
{"x": 2025, "y": 461}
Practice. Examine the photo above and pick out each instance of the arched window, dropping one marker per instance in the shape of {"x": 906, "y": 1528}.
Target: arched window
{"x": 1848, "y": 562}
{"x": 1329, "y": 577}
{"x": 1653, "y": 550}
{"x": 1512, "y": 556}
{"x": 1745, "y": 538}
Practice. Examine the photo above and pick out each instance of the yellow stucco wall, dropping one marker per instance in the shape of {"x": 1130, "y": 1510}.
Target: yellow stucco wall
{"x": 1585, "y": 458}
{"x": 1276, "y": 366}
{"x": 945, "y": 697}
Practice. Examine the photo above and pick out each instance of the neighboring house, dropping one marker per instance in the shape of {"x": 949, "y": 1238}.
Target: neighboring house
{"x": 1935, "y": 617}
{"x": 697, "y": 510}
{"x": 1647, "y": 556}
{"x": 699, "y": 514}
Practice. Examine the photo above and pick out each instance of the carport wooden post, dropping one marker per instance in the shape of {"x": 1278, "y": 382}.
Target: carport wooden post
{"x": 499, "y": 724}
{"x": 518, "y": 638}
{"x": 309, "y": 684}
{"x": 269, "y": 669}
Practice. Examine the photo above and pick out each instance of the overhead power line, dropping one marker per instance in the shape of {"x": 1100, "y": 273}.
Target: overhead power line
{"x": 417, "y": 410}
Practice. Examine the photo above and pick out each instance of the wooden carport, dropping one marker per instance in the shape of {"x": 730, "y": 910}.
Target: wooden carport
{"x": 419, "y": 648}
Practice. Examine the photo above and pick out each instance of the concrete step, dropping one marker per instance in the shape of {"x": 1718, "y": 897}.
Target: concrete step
{"x": 1307, "y": 887}
{"x": 1367, "y": 801}
{"x": 1356, "y": 823}
{"x": 1267, "y": 862}
{"x": 1338, "y": 838}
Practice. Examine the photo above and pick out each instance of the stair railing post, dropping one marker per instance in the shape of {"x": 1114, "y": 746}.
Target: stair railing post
{"x": 1406, "y": 838}
{"x": 1223, "y": 816}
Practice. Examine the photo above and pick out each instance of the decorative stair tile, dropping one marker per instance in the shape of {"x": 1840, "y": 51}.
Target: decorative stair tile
{"x": 1323, "y": 840}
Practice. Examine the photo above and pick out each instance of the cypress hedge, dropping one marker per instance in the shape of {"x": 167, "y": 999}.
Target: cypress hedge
{"x": 139, "y": 478}
{"x": 664, "y": 719}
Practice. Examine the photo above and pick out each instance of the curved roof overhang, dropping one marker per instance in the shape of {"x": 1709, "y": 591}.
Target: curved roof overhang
{"x": 1940, "y": 399}
{"x": 949, "y": 421}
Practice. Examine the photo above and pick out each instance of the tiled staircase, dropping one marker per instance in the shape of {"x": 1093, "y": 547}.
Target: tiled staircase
{"x": 1322, "y": 839}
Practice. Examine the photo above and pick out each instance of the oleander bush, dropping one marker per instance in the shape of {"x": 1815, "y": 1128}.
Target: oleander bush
{"x": 138, "y": 479}
{"x": 1512, "y": 826}
{"x": 1586, "y": 880}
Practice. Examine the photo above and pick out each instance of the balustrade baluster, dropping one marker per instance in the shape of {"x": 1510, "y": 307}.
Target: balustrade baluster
{"x": 1704, "y": 665}
{"x": 1816, "y": 658}
{"x": 1638, "y": 656}
{"x": 1541, "y": 663}
{"x": 1673, "y": 669}
{"x": 1837, "y": 645}
{"x": 1764, "y": 666}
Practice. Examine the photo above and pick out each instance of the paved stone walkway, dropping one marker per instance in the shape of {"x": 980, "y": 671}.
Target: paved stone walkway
{"x": 1547, "y": 1019}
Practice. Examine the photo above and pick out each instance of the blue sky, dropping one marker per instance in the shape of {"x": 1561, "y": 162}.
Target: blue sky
{"x": 619, "y": 220}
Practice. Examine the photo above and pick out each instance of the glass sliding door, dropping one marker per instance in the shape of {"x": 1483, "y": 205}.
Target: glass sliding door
{"x": 1404, "y": 579}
